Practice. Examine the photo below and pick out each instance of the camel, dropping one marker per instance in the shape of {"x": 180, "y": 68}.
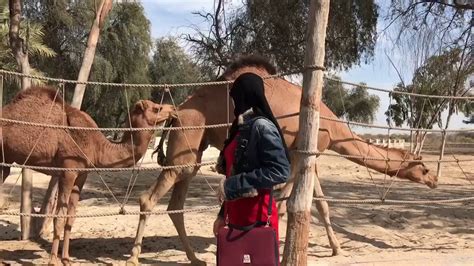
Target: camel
{"x": 284, "y": 97}
{"x": 71, "y": 148}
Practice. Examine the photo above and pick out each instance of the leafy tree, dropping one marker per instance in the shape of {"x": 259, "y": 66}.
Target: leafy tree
{"x": 423, "y": 28}
{"x": 33, "y": 33}
{"x": 35, "y": 40}
{"x": 122, "y": 58}
{"x": 121, "y": 55}
{"x": 445, "y": 74}
{"x": 355, "y": 104}
{"x": 170, "y": 64}
{"x": 277, "y": 29}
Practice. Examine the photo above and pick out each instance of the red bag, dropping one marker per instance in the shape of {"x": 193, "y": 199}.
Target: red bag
{"x": 253, "y": 245}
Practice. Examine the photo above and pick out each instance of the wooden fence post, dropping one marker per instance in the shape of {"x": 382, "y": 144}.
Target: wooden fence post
{"x": 17, "y": 45}
{"x": 299, "y": 204}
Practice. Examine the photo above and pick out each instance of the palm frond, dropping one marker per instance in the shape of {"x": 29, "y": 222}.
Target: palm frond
{"x": 35, "y": 39}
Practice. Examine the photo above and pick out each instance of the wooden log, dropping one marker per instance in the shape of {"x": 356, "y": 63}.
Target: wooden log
{"x": 299, "y": 204}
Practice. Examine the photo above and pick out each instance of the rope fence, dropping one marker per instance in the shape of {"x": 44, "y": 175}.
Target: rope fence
{"x": 365, "y": 158}
{"x": 210, "y": 83}
{"x": 222, "y": 125}
{"x": 122, "y": 211}
{"x": 180, "y": 166}
{"x": 98, "y": 169}
{"x": 396, "y": 128}
{"x": 112, "y": 129}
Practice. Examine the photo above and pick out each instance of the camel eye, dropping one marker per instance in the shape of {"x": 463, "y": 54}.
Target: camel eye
{"x": 156, "y": 110}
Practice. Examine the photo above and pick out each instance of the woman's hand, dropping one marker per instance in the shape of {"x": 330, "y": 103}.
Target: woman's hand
{"x": 218, "y": 224}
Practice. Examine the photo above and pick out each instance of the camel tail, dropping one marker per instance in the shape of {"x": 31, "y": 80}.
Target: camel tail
{"x": 161, "y": 158}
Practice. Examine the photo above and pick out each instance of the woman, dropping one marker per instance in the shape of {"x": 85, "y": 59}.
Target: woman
{"x": 254, "y": 159}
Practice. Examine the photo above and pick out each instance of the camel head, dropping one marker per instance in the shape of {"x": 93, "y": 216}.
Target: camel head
{"x": 416, "y": 171}
{"x": 146, "y": 113}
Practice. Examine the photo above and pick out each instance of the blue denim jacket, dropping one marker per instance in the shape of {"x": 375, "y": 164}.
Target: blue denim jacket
{"x": 260, "y": 159}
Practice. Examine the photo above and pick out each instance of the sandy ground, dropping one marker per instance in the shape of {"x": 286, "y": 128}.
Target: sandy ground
{"x": 369, "y": 234}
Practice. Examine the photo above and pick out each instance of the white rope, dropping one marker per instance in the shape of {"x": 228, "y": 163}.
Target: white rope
{"x": 357, "y": 144}
{"x": 117, "y": 169}
{"x": 401, "y": 92}
{"x": 317, "y": 153}
{"x": 395, "y": 128}
{"x": 188, "y": 143}
{"x": 221, "y": 126}
{"x": 198, "y": 84}
{"x": 154, "y": 168}
{"x": 110, "y": 129}
{"x": 216, "y": 207}
{"x": 133, "y": 177}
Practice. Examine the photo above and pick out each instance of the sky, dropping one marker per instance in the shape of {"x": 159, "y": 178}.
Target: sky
{"x": 175, "y": 18}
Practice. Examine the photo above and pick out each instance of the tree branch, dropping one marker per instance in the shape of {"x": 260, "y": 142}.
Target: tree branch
{"x": 468, "y": 6}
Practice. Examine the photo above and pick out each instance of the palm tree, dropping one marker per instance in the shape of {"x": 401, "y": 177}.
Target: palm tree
{"x": 30, "y": 31}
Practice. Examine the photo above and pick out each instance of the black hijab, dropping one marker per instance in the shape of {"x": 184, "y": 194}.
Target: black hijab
{"x": 248, "y": 92}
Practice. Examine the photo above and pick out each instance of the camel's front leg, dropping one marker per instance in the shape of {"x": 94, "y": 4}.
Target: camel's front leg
{"x": 177, "y": 203}
{"x": 73, "y": 200}
{"x": 65, "y": 186}
{"x": 5, "y": 173}
{"x": 147, "y": 201}
{"x": 323, "y": 209}
{"x": 48, "y": 206}
{"x": 286, "y": 190}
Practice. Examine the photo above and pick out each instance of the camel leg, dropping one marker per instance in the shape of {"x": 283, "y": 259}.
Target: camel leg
{"x": 65, "y": 186}
{"x": 286, "y": 190}
{"x": 48, "y": 206}
{"x": 177, "y": 203}
{"x": 5, "y": 173}
{"x": 284, "y": 193}
{"x": 323, "y": 209}
{"x": 147, "y": 201}
{"x": 73, "y": 200}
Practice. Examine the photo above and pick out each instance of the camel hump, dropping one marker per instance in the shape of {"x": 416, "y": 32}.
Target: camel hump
{"x": 77, "y": 118}
{"x": 39, "y": 92}
{"x": 251, "y": 61}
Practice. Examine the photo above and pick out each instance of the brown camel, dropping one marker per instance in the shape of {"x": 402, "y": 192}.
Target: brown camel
{"x": 284, "y": 97}
{"x": 71, "y": 148}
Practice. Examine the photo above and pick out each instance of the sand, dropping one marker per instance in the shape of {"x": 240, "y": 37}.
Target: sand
{"x": 427, "y": 234}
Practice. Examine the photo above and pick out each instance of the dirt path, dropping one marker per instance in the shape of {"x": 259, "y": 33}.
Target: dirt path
{"x": 369, "y": 234}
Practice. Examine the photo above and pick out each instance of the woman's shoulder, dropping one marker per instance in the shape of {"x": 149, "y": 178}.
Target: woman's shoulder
{"x": 263, "y": 123}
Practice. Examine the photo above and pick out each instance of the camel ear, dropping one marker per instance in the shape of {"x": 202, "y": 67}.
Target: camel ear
{"x": 140, "y": 105}
{"x": 173, "y": 114}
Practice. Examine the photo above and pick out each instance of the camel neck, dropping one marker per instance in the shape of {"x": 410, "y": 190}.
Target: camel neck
{"x": 359, "y": 147}
{"x": 127, "y": 152}
{"x": 347, "y": 143}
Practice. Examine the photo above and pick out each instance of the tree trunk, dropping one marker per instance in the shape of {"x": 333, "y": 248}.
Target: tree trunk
{"x": 443, "y": 140}
{"x": 103, "y": 9}
{"x": 102, "y": 12}
{"x": 420, "y": 141}
{"x": 20, "y": 52}
{"x": 299, "y": 204}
